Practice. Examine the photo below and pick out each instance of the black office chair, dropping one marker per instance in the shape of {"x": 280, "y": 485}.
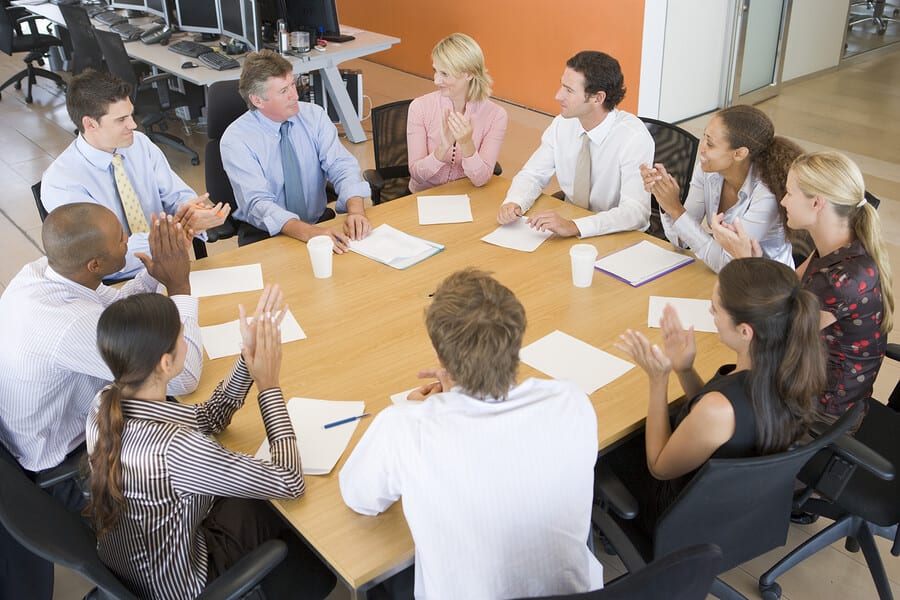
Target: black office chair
{"x": 14, "y": 41}
{"x": 677, "y": 150}
{"x": 223, "y": 105}
{"x": 86, "y": 52}
{"x": 42, "y": 525}
{"x": 858, "y": 489}
{"x": 390, "y": 177}
{"x": 151, "y": 95}
{"x": 741, "y": 505}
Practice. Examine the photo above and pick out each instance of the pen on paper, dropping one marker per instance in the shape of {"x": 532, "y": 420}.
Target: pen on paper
{"x": 348, "y": 420}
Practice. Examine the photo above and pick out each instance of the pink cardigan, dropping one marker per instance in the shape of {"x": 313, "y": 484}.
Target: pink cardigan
{"x": 423, "y": 135}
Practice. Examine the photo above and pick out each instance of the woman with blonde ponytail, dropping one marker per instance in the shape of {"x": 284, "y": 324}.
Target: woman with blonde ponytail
{"x": 849, "y": 271}
{"x": 172, "y": 508}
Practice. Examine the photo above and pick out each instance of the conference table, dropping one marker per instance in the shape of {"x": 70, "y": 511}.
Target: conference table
{"x": 325, "y": 62}
{"x": 367, "y": 340}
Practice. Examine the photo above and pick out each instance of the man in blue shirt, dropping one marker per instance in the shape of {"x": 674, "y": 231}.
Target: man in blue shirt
{"x": 278, "y": 156}
{"x": 115, "y": 166}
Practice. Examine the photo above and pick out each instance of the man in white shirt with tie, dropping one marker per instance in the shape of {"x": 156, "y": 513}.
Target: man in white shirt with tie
{"x": 596, "y": 152}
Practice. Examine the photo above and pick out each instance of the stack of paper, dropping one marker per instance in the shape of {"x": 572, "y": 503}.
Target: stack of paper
{"x": 225, "y": 339}
{"x": 564, "y": 357}
{"x": 434, "y": 210}
{"x": 320, "y": 448}
{"x": 227, "y": 280}
{"x": 641, "y": 262}
{"x": 394, "y": 247}
{"x": 691, "y": 312}
{"x": 517, "y": 235}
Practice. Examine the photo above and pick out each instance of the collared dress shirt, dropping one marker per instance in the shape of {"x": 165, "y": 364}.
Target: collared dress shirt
{"x": 619, "y": 146}
{"x": 251, "y": 155}
{"x": 172, "y": 473}
{"x": 50, "y": 367}
{"x": 423, "y": 136}
{"x": 497, "y": 495}
{"x": 756, "y": 207}
{"x": 83, "y": 173}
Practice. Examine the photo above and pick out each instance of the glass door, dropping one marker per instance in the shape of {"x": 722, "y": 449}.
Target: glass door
{"x": 761, "y": 28}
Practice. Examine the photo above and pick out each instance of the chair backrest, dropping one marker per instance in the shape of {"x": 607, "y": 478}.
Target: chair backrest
{"x": 389, "y": 142}
{"x": 116, "y": 56}
{"x": 36, "y": 192}
{"x": 42, "y": 525}
{"x": 224, "y": 104}
{"x": 86, "y": 52}
{"x": 677, "y": 150}
{"x": 6, "y": 28}
{"x": 741, "y": 505}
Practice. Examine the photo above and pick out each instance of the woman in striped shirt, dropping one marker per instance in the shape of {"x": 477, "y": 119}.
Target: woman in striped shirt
{"x": 170, "y": 505}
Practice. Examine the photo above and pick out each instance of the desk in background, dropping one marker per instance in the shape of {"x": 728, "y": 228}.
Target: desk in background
{"x": 326, "y": 63}
{"x": 367, "y": 340}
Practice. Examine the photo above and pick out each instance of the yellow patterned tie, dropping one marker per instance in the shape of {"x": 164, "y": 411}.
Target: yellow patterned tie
{"x": 137, "y": 222}
{"x": 581, "y": 190}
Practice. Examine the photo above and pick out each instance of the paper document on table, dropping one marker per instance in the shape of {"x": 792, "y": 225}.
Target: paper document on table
{"x": 402, "y": 398}
{"x": 434, "y": 210}
{"x": 564, "y": 357}
{"x": 642, "y": 262}
{"x": 517, "y": 235}
{"x": 394, "y": 247}
{"x": 227, "y": 280}
{"x": 690, "y": 312}
{"x": 225, "y": 339}
{"x": 320, "y": 448}
{"x": 27, "y": 2}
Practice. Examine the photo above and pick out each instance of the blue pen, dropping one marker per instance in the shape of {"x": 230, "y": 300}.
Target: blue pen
{"x": 347, "y": 420}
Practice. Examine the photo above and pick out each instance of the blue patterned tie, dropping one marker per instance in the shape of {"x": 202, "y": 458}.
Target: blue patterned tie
{"x": 293, "y": 184}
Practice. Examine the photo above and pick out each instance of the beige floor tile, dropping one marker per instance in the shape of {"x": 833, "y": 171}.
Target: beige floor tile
{"x": 32, "y": 170}
{"x": 16, "y": 249}
{"x": 69, "y": 585}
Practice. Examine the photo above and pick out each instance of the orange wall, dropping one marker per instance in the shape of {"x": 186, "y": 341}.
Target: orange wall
{"x": 526, "y": 42}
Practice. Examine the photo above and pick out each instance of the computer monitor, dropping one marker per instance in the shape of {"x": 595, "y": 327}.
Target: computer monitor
{"x": 160, "y": 8}
{"x": 199, "y": 16}
{"x": 128, "y": 4}
{"x": 313, "y": 14}
{"x": 240, "y": 21}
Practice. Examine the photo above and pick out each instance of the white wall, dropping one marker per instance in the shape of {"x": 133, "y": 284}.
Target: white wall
{"x": 815, "y": 38}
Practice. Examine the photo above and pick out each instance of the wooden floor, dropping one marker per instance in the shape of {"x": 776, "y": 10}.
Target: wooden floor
{"x": 855, "y": 109}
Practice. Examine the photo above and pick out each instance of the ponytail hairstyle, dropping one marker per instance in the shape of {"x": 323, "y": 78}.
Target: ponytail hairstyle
{"x": 787, "y": 354}
{"x": 836, "y": 178}
{"x": 132, "y": 336}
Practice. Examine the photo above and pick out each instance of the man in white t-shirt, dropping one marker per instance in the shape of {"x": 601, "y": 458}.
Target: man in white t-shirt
{"x": 496, "y": 478}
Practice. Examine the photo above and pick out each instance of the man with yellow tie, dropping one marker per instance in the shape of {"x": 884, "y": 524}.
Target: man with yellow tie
{"x": 113, "y": 165}
{"x": 596, "y": 152}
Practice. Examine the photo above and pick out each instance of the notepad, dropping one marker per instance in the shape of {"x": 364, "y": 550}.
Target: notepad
{"x": 225, "y": 339}
{"x": 517, "y": 235}
{"x": 394, "y": 247}
{"x": 227, "y": 280}
{"x": 642, "y": 262}
{"x": 562, "y": 356}
{"x": 691, "y": 312}
{"x": 434, "y": 210}
{"x": 320, "y": 448}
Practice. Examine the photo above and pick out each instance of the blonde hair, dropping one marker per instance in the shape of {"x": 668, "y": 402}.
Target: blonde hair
{"x": 461, "y": 54}
{"x": 836, "y": 178}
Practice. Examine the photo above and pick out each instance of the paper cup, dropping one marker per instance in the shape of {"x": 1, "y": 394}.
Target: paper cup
{"x": 320, "y": 255}
{"x": 583, "y": 257}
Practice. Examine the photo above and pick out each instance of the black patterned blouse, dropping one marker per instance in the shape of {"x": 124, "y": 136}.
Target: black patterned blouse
{"x": 848, "y": 285}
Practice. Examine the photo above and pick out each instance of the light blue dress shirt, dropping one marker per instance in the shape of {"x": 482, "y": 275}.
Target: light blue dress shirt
{"x": 83, "y": 173}
{"x": 251, "y": 156}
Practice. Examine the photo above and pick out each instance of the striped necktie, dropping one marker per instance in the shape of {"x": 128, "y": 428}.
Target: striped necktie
{"x": 581, "y": 190}
{"x": 134, "y": 214}
{"x": 294, "y": 198}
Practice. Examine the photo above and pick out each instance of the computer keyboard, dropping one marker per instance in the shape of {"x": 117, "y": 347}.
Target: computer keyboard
{"x": 189, "y": 48}
{"x": 96, "y": 10}
{"x": 127, "y": 31}
{"x": 110, "y": 18}
{"x": 217, "y": 61}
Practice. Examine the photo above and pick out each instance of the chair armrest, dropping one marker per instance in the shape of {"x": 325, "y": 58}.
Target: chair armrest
{"x": 67, "y": 469}
{"x": 893, "y": 352}
{"x": 611, "y": 494}
{"x": 856, "y": 452}
{"x": 498, "y": 170}
{"x": 222, "y": 232}
{"x": 151, "y": 79}
{"x": 374, "y": 179}
{"x": 246, "y": 573}
{"x": 560, "y": 195}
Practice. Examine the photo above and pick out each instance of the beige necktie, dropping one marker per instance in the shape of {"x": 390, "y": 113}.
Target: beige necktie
{"x": 581, "y": 190}
{"x": 137, "y": 222}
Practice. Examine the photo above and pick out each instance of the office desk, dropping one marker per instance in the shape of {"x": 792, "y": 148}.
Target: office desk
{"x": 367, "y": 340}
{"x": 326, "y": 63}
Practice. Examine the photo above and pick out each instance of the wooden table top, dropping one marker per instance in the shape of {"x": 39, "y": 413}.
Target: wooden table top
{"x": 367, "y": 340}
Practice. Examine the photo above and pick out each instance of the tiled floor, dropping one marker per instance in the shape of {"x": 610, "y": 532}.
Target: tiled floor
{"x": 855, "y": 109}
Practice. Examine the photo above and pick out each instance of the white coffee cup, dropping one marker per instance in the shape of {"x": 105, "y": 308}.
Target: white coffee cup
{"x": 321, "y": 249}
{"x": 583, "y": 257}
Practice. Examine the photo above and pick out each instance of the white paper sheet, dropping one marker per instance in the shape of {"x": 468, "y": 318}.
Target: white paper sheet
{"x": 434, "y": 210}
{"x": 402, "y": 398}
{"x": 320, "y": 448}
{"x": 641, "y": 262}
{"x": 690, "y": 312}
{"x": 225, "y": 339}
{"x": 227, "y": 280}
{"x": 394, "y": 247}
{"x": 517, "y": 235}
{"x": 562, "y": 356}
